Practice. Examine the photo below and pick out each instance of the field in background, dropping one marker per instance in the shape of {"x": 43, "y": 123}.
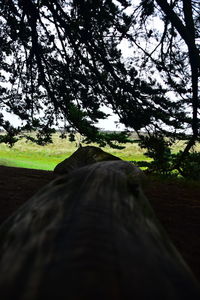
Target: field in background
{"x": 28, "y": 155}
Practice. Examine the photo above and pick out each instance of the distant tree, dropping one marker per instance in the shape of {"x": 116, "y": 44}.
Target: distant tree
{"x": 63, "y": 61}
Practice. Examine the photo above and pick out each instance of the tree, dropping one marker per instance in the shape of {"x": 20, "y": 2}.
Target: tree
{"x": 173, "y": 51}
{"x": 175, "y": 54}
{"x": 63, "y": 60}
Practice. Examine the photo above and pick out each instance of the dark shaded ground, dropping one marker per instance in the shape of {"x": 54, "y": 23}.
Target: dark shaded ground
{"x": 177, "y": 206}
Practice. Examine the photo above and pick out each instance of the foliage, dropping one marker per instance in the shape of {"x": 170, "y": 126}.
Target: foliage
{"x": 190, "y": 166}
{"x": 157, "y": 149}
{"x": 164, "y": 162}
{"x": 171, "y": 50}
{"x": 10, "y": 136}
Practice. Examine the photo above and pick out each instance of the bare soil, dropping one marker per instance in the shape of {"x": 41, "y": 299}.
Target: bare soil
{"x": 176, "y": 205}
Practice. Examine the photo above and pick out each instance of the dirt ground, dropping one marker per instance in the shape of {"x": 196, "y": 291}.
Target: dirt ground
{"x": 176, "y": 206}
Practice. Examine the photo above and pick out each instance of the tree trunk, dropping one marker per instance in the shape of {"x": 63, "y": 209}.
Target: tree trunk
{"x": 91, "y": 234}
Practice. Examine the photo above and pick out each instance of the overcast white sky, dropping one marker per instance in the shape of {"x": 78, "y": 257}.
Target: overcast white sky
{"x": 107, "y": 124}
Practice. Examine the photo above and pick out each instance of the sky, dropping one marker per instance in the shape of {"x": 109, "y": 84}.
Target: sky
{"x": 107, "y": 124}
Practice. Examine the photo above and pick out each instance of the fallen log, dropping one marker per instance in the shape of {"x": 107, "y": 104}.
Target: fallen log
{"x": 82, "y": 157}
{"x": 91, "y": 234}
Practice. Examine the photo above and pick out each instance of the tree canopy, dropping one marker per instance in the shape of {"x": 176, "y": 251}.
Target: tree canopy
{"x": 64, "y": 62}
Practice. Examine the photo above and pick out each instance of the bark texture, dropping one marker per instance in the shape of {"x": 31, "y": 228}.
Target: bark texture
{"x": 91, "y": 234}
{"x": 83, "y": 156}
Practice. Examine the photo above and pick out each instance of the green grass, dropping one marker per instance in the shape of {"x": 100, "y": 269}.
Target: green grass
{"x": 28, "y": 155}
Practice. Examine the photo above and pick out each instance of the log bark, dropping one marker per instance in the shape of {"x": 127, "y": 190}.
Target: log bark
{"x": 91, "y": 234}
{"x": 82, "y": 157}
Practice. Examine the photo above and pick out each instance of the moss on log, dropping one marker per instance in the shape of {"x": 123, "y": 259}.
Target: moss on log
{"x": 91, "y": 234}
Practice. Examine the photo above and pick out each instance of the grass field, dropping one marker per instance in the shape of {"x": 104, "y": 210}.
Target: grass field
{"x": 28, "y": 155}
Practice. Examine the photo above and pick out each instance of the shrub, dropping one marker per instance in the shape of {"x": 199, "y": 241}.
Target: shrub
{"x": 190, "y": 166}
{"x": 159, "y": 150}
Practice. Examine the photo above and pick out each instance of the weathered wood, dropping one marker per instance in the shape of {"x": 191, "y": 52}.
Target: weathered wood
{"x": 91, "y": 234}
{"x": 82, "y": 157}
